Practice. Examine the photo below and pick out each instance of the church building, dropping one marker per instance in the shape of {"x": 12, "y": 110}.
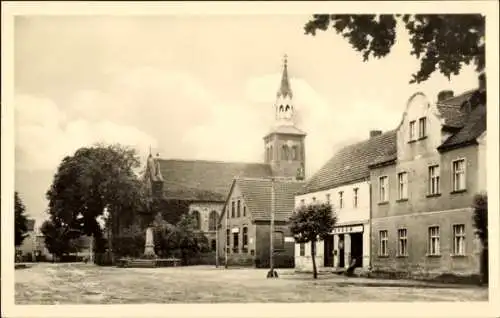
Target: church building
{"x": 205, "y": 185}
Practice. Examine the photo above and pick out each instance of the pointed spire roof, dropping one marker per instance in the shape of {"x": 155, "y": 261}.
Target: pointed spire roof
{"x": 285, "y": 90}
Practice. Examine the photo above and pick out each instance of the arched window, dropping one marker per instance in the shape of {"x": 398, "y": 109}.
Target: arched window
{"x": 284, "y": 152}
{"x": 197, "y": 219}
{"x": 238, "y": 209}
{"x": 213, "y": 245}
{"x": 287, "y": 108}
{"x": 281, "y": 108}
{"x": 212, "y": 221}
{"x": 295, "y": 153}
{"x": 271, "y": 153}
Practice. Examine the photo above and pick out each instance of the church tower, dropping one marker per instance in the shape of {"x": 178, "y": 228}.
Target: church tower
{"x": 284, "y": 144}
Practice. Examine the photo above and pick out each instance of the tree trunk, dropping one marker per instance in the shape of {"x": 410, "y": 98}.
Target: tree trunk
{"x": 313, "y": 256}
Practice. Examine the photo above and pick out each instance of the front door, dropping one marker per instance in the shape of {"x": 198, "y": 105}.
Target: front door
{"x": 341, "y": 251}
{"x": 328, "y": 251}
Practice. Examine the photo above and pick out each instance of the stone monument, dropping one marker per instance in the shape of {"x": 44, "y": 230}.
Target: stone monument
{"x": 149, "y": 250}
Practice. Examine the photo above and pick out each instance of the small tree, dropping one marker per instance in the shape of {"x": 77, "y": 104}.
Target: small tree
{"x": 59, "y": 238}
{"x": 481, "y": 224}
{"x": 311, "y": 223}
{"x": 21, "y": 222}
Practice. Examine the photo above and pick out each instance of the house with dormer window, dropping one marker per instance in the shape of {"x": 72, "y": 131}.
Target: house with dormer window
{"x": 422, "y": 194}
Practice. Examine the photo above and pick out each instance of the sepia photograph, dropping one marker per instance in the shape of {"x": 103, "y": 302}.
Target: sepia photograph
{"x": 224, "y": 157}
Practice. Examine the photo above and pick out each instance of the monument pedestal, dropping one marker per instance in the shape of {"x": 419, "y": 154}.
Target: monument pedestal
{"x": 149, "y": 250}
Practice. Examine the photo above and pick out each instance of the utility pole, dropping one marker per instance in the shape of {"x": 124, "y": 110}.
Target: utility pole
{"x": 272, "y": 273}
{"x": 227, "y": 238}
{"x": 217, "y": 244}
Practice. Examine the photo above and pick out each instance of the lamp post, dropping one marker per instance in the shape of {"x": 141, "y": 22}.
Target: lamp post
{"x": 272, "y": 273}
{"x": 217, "y": 244}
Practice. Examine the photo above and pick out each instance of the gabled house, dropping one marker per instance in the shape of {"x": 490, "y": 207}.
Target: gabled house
{"x": 422, "y": 215}
{"x": 245, "y": 224}
{"x": 344, "y": 182}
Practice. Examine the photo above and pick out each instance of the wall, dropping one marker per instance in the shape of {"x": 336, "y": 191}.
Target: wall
{"x": 238, "y": 223}
{"x": 204, "y": 208}
{"x": 417, "y": 232}
{"x": 418, "y": 199}
{"x": 282, "y": 167}
{"x": 283, "y": 258}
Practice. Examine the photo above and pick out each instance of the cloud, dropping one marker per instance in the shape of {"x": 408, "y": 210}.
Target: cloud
{"x": 45, "y": 134}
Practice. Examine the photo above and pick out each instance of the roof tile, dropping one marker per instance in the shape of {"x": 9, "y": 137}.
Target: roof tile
{"x": 205, "y": 180}
{"x": 257, "y": 196}
{"x": 350, "y": 163}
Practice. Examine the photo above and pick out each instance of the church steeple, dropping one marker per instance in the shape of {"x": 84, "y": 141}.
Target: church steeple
{"x": 284, "y": 104}
{"x": 285, "y": 90}
{"x": 284, "y": 144}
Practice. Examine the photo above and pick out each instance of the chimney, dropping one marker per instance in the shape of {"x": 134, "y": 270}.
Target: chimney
{"x": 375, "y": 133}
{"x": 444, "y": 95}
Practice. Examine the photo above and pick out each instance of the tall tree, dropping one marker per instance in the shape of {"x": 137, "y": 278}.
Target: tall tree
{"x": 311, "y": 223}
{"x": 90, "y": 180}
{"x": 441, "y": 42}
{"x": 21, "y": 222}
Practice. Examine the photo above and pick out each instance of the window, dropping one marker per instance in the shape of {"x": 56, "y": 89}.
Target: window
{"x": 271, "y": 153}
{"x": 267, "y": 154}
{"x": 422, "y": 125}
{"x": 197, "y": 223}
{"x": 459, "y": 175}
{"x": 383, "y": 236}
{"x": 302, "y": 247}
{"x": 402, "y": 185}
{"x": 232, "y": 209}
{"x": 412, "y": 130}
{"x": 228, "y": 238}
{"x": 238, "y": 209}
{"x": 328, "y": 198}
{"x": 213, "y": 245}
{"x": 383, "y": 189}
{"x": 434, "y": 180}
{"x": 302, "y": 202}
{"x": 236, "y": 242}
{"x": 244, "y": 210}
{"x": 341, "y": 199}
{"x": 314, "y": 199}
{"x": 284, "y": 152}
{"x": 245, "y": 240}
{"x": 403, "y": 242}
{"x": 355, "y": 197}
{"x": 212, "y": 221}
{"x": 459, "y": 239}
{"x": 278, "y": 241}
{"x": 434, "y": 240}
{"x": 295, "y": 153}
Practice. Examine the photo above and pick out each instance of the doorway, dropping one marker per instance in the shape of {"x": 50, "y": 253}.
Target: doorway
{"x": 328, "y": 251}
{"x": 357, "y": 248}
{"x": 341, "y": 251}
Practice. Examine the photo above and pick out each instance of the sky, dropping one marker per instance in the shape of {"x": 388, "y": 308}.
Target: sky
{"x": 195, "y": 87}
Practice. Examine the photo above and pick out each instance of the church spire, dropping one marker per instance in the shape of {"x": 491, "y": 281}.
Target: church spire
{"x": 285, "y": 90}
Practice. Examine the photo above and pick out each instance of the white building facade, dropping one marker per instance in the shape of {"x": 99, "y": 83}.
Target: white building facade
{"x": 350, "y": 237}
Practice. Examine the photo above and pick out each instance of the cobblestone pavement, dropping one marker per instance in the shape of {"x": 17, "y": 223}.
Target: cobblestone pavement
{"x": 89, "y": 284}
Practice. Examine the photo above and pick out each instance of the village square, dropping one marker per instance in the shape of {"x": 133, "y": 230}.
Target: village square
{"x": 396, "y": 212}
